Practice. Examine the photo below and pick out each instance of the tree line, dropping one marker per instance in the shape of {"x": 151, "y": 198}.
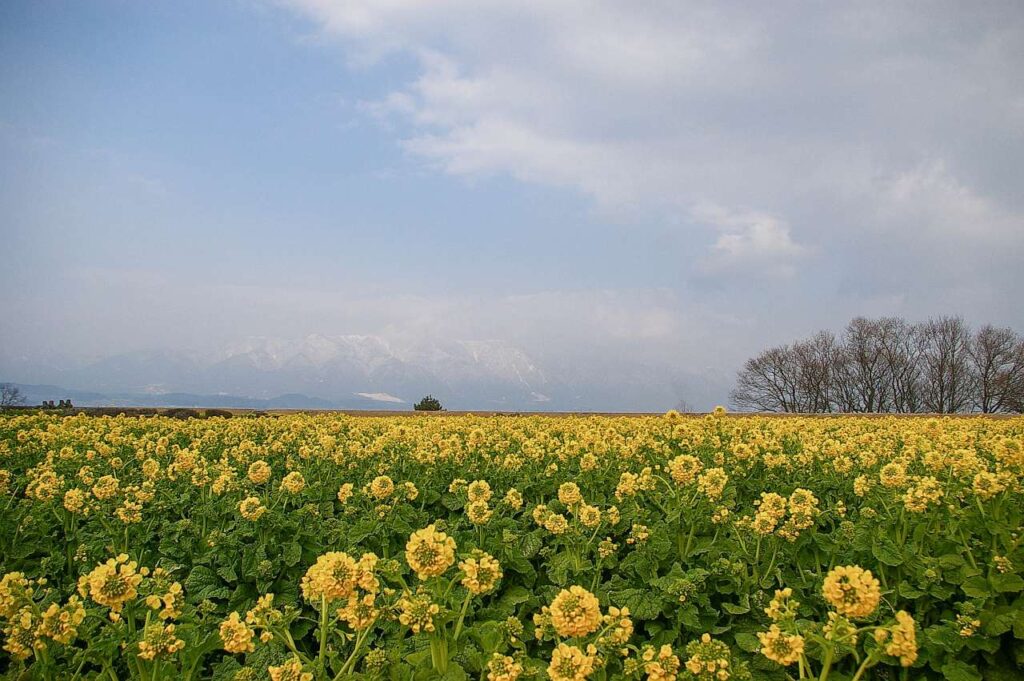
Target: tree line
{"x": 889, "y": 365}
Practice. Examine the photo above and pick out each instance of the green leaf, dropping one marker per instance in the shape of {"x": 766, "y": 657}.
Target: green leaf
{"x": 559, "y": 566}
{"x": 886, "y": 551}
{"x": 736, "y": 608}
{"x": 976, "y": 587}
{"x": 1009, "y": 583}
{"x": 748, "y": 642}
{"x": 203, "y": 583}
{"x": 530, "y": 544}
{"x": 908, "y": 590}
{"x": 642, "y": 604}
{"x": 361, "y": 530}
{"x": 228, "y": 574}
{"x": 960, "y": 671}
{"x": 292, "y": 553}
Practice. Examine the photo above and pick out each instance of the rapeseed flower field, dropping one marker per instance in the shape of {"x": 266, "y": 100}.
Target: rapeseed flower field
{"x": 318, "y": 547}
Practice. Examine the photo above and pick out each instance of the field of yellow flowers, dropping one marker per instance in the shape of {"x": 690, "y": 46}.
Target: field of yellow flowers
{"x": 317, "y": 547}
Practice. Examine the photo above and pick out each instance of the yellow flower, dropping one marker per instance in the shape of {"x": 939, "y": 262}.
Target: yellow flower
{"x": 852, "y": 591}
{"x": 15, "y": 590}
{"x": 293, "y": 483}
{"x": 617, "y": 625}
{"x": 589, "y": 515}
{"x": 712, "y": 483}
{"x": 575, "y": 612}
{"x": 360, "y": 611}
{"x": 334, "y": 576}
{"x": 514, "y": 499}
{"x": 19, "y": 633}
{"x": 236, "y": 635}
{"x": 569, "y": 663}
{"x": 503, "y": 668}
{"x": 709, "y": 660}
{"x": 289, "y": 671}
{"x": 780, "y": 647}
{"x": 251, "y": 508}
{"x": 105, "y": 487}
{"x": 259, "y": 472}
{"x": 160, "y": 641}
{"x": 112, "y": 584}
{"x": 893, "y": 475}
{"x": 480, "y": 572}
{"x": 75, "y": 501}
{"x": 782, "y": 606}
{"x": 430, "y": 552}
{"x": 479, "y": 490}
{"x": 417, "y": 611}
{"x": 684, "y": 469}
{"x": 986, "y": 485}
{"x": 660, "y": 665}
{"x": 569, "y": 494}
{"x": 61, "y": 623}
{"x": 345, "y": 492}
{"x": 381, "y": 487}
{"x": 478, "y": 512}
{"x": 900, "y": 639}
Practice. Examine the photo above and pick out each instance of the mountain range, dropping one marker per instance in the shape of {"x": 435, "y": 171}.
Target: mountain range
{"x": 365, "y": 371}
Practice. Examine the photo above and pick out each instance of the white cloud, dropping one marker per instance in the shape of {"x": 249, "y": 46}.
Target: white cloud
{"x": 382, "y": 397}
{"x": 784, "y": 119}
{"x": 749, "y": 242}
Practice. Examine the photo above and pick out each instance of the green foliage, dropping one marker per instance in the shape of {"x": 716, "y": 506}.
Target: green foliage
{"x": 607, "y": 504}
{"x": 428, "y": 403}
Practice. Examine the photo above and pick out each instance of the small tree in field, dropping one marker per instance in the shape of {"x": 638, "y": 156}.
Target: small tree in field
{"x": 10, "y": 396}
{"x": 428, "y": 403}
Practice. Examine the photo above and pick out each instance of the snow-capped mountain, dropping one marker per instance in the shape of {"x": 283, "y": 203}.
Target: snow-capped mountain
{"x": 463, "y": 374}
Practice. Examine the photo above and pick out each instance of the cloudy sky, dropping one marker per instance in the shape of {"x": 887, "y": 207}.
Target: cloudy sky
{"x": 679, "y": 182}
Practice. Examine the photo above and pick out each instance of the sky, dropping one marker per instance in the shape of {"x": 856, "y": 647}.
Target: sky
{"x": 682, "y": 183}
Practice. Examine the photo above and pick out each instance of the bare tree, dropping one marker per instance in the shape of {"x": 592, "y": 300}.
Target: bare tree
{"x": 901, "y": 354}
{"x": 889, "y": 365}
{"x": 815, "y": 363}
{"x": 768, "y": 382}
{"x": 10, "y": 395}
{"x": 862, "y": 380}
{"x": 997, "y": 355}
{"x": 947, "y": 371}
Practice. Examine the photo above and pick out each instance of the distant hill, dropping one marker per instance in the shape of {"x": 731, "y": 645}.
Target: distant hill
{"x": 36, "y": 394}
{"x": 359, "y": 371}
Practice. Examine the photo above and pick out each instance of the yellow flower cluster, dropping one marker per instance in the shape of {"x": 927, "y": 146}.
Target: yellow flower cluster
{"x": 417, "y": 611}
{"x": 575, "y": 612}
{"x": 159, "y": 641}
{"x": 336, "y": 576}
{"x": 251, "y": 508}
{"x": 569, "y": 663}
{"x": 503, "y": 668}
{"x": 112, "y": 584}
{"x": 852, "y": 591}
{"x": 780, "y": 647}
{"x": 430, "y": 552}
{"x": 293, "y": 483}
{"x": 236, "y": 635}
{"x": 480, "y": 572}
{"x": 289, "y": 671}
{"x": 661, "y": 664}
{"x": 709, "y": 660}
{"x": 900, "y": 640}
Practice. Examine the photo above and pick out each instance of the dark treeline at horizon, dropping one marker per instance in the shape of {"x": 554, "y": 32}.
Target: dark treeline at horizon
{"x": 889, "y": 365}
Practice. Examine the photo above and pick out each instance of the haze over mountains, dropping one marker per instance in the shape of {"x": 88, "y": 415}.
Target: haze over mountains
{"x": 365, "y": 371}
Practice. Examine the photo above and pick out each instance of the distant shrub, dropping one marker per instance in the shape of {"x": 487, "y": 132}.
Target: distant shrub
{"x": 223, "y": 413}
{"x": 428, "y": 403}
{"x": 181, "y": 413}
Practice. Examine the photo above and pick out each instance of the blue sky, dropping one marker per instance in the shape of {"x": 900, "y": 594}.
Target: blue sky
{"x": 682, "y": 182}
